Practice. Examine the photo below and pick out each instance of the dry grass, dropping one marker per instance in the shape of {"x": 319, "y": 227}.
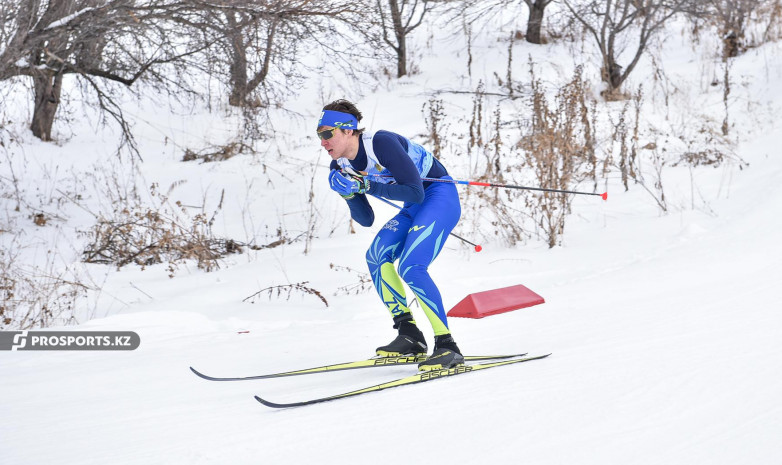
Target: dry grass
{"x": 162, "y": 233}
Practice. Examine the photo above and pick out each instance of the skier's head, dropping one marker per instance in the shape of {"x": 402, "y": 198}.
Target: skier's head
{"x": 338, "y": 129}
{"x": 340, "y": 114}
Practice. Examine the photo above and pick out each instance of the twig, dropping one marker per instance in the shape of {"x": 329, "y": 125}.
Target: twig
{"x": 289, "y": 288}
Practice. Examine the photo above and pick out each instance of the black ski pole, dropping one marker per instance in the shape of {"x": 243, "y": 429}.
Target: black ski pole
{"x": 477, "y": 247}
{"x": 604, "y": 195}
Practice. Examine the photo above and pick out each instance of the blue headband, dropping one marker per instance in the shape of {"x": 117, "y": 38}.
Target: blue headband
{"x": 337, "y": 119}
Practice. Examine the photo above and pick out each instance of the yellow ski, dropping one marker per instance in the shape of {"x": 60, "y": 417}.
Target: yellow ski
{"x": 374, "y": 362}
{"x": 414, "y": 379}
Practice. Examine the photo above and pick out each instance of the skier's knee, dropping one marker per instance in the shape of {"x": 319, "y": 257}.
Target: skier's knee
{"x": 410, "y": 271}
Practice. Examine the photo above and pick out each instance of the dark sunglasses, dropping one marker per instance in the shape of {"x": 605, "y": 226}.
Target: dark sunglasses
{"x": 327, "y": 134}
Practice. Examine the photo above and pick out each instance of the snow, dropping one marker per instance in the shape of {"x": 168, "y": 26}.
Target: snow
{"x": 664, "y": 328}
{"x": 66, "y": 19}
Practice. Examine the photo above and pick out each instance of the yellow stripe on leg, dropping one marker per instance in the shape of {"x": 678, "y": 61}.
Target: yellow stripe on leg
{"x": 438, "y": 325}
{"x": 392, "y": 290}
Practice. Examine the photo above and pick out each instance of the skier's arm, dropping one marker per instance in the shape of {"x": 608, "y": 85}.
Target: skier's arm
{"x": 360, "y": 210}
{"x": 392, "y": 155}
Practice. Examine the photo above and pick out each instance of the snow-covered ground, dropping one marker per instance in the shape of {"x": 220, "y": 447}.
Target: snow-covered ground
{"x": 663, "y": 327}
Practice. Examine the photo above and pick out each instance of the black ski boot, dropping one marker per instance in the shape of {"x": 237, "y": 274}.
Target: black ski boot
{"x": 410, "y": 340}
{"x": 446, "y": 355}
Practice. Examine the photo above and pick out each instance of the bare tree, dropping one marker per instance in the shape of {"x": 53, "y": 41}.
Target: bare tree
{"x": 731, "y": 17}
{"x": 398, "y": 18}
{"x": 617, "y": 25}
{"x": 537, "y": 8}
{"x": 252, "y": 40}
{"x": 484, "y": 9}
{"x": 99, "y": 41}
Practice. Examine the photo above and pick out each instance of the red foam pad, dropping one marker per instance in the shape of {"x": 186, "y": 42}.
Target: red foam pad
{"x": 486, "y": 303}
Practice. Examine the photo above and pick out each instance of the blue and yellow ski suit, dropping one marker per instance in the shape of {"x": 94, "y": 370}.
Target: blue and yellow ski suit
{"x": 417, "y": 234}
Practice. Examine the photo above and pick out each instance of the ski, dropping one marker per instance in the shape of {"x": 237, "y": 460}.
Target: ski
{"x": 374, "y": 362}
{"x": 414, "y": 379}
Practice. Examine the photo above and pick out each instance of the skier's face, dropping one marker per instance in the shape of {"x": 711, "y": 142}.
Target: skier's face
{"x": 337, "y": 142}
